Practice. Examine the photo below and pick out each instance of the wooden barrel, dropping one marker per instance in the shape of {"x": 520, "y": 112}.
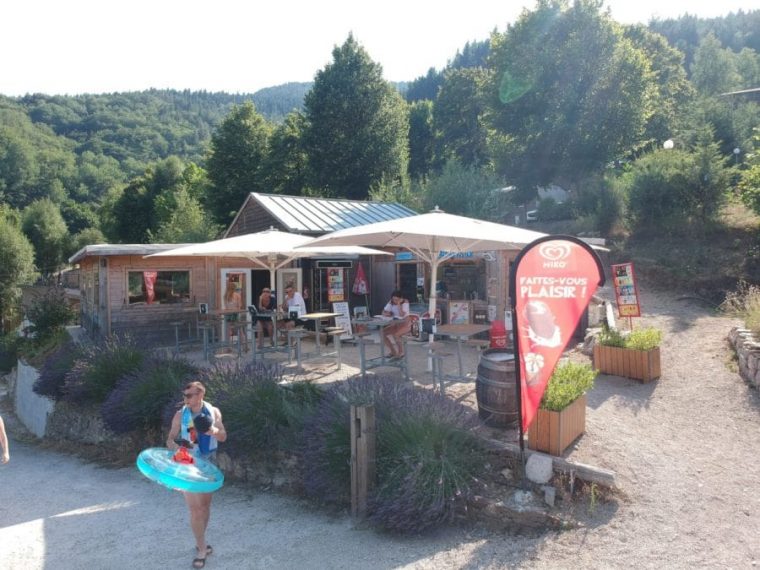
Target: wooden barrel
{"x": 495, "y": 388}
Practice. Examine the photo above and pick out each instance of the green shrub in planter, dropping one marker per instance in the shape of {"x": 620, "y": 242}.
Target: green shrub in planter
{"x": 637, "y": 339}
{"x": 643, "y": 339}
{"x": 568, "y": 382}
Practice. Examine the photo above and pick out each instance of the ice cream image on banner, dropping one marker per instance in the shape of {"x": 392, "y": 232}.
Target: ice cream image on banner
{"x": 542, "y": 325}
{"x": 533, "y": 365}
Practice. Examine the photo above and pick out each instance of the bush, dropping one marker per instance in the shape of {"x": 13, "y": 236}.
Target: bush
{"x": 568, "y": 382}
{"x": 259, "y": 413}
{"x": 100, "y": 367}
{"x": 427, "y": 457}
{"x": 55, "y": 368}
{"x": 8, "y": 351}
{"x": 611, "y": 337}
{"x": 141, "y": 396}
{"x": 50, "y": 314}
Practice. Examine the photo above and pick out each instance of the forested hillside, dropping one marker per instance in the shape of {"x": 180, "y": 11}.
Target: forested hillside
{"x": 631, "y": 120}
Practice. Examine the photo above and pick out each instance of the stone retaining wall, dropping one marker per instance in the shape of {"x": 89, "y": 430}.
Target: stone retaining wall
{"x": 747, "y": 348}
{"x": 32, "y": 409}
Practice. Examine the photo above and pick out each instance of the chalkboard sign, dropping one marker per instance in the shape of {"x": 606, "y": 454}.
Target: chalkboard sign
{"x": 344, "y": 320}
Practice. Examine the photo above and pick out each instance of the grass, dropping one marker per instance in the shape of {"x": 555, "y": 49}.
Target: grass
{"x": 744, "y": 303}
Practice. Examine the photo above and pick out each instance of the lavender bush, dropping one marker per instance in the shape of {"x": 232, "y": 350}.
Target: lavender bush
{"x": 99, "y": 368}
{"x": 260, "y": 414}
{"x": 141, "y": 396}
{"x": 55, "y": 368}
{"x": 427, "y": 456}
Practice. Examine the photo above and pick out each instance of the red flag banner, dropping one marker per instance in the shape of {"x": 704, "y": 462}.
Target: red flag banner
{"x": 360, "y": 282}
{"x": 551, "y": 284}
{"x": 149, "y": 284}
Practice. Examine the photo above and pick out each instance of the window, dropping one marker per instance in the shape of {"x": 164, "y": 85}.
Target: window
{"x": 158, "y": 287}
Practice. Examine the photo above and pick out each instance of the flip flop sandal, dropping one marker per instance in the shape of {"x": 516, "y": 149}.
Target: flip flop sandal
{"x": 209, "y": 549}
{"x": 199, "y": 562}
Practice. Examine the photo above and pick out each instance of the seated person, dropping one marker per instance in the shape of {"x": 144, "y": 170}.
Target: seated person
{"x": 397, "y": 307}
{"x": 266, "y": 303}
{"x": 292, "y": 299}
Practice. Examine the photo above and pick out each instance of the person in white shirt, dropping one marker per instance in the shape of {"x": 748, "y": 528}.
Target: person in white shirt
{"x": 398, "y": 308}
{"x": 292, "y": 299}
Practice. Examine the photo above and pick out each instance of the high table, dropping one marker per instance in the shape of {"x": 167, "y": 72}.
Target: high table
{"x": 368, "y": 363}
{"x": 274, "y": 316}
{"x": 461, "y": 333}
{"x": 318, "y": 318}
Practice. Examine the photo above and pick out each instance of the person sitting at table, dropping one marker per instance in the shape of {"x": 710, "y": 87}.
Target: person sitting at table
{"x": 398, "y": 308}
{"x": 292, "y": 300}
{"x": 266, "y": 303}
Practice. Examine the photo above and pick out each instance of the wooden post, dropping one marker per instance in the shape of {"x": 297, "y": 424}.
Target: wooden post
{"x": 362, "y": 458}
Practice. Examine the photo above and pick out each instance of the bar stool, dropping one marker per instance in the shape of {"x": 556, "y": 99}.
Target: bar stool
{"x": 176, "y": 325}
{"x": 336, "y": 333}
{"x": 296, "y": 335}
{"x": 237, "y": 328}
{"x": 208, "y": 329}
{"x": 437, "y": 353}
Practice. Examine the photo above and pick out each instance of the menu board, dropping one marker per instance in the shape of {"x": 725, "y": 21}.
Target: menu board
{"x": 335, "y": 285}
{"x": 344, "y": 320}
{"x": 626, "y": 292}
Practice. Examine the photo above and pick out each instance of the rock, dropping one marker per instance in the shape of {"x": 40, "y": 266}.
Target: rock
{"x": 538, "y": 468}
{"x": 550, "y": 493}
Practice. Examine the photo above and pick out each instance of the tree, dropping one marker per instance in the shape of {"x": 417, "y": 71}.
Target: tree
{"x": 457, "y": 117}
{"x": 43, "y": 224}
{"x": 238, "y": 149}
{"x": 714, "y": 68}
{"x": 421, "y": 139}
{"x": 286, "y": 165}
{"x": 186, "y": 222}
{"x": 357, "y": 126}
{"x": 462, "y": 189}
{"x": 88, "y": 236}
{"x": 17, "y": 261}
{"x": 567, "y": 94}
{"x": 673, "y": 91}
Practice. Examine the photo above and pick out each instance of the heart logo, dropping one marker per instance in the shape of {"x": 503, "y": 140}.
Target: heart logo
{"x": 554, "y": 251}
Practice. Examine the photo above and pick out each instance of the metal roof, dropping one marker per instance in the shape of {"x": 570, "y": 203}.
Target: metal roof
{"x": 106, "y": 249}
{"x": 322, "y": 215}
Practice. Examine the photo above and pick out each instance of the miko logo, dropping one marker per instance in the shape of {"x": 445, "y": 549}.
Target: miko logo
{"x": 554, "y": 253}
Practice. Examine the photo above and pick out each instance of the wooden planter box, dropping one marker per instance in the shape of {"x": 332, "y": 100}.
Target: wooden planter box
{"x": 641, "y": 365}
{"x": 553, "y": 432}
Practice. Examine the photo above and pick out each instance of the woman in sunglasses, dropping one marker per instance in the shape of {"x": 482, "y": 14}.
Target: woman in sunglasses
{"x": 200, "y": 424}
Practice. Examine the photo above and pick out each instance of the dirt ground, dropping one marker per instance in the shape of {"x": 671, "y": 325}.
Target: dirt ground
{"x": 686, "y": 450}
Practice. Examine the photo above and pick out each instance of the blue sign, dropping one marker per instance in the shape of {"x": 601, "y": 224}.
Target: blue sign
{"x": 458, "y": 255}
{"x": 405, "y": 256}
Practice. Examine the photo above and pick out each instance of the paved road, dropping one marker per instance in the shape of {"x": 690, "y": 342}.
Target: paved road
{"x": 58, "y": 512}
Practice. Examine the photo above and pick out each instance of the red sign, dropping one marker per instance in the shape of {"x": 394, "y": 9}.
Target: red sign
{"x": 149, "y": 283}
{"x": 551, "y": 284}
{"x": 360, "y": 282}
{"x": 626, "y": 292}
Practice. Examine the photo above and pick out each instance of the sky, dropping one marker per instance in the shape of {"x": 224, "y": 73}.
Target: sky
{"x": 240, "y": 46}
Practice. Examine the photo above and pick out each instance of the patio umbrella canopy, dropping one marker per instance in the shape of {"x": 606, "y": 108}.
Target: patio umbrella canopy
{"x": 270, "y": 249}
{"x": 434, "y": 237}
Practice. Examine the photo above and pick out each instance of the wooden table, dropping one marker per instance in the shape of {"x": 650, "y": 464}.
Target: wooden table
{"x": 461, "y": 333}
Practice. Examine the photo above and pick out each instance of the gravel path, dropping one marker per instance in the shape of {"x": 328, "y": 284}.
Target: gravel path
{"x": 686, "y": 449}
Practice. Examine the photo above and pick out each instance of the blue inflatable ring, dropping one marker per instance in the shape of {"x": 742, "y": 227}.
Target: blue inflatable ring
{"x": 156, "y": 464}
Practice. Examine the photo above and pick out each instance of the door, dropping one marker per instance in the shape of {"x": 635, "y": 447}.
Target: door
{"x": 291, "y": 276}
{"x": 235, "y": 291}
